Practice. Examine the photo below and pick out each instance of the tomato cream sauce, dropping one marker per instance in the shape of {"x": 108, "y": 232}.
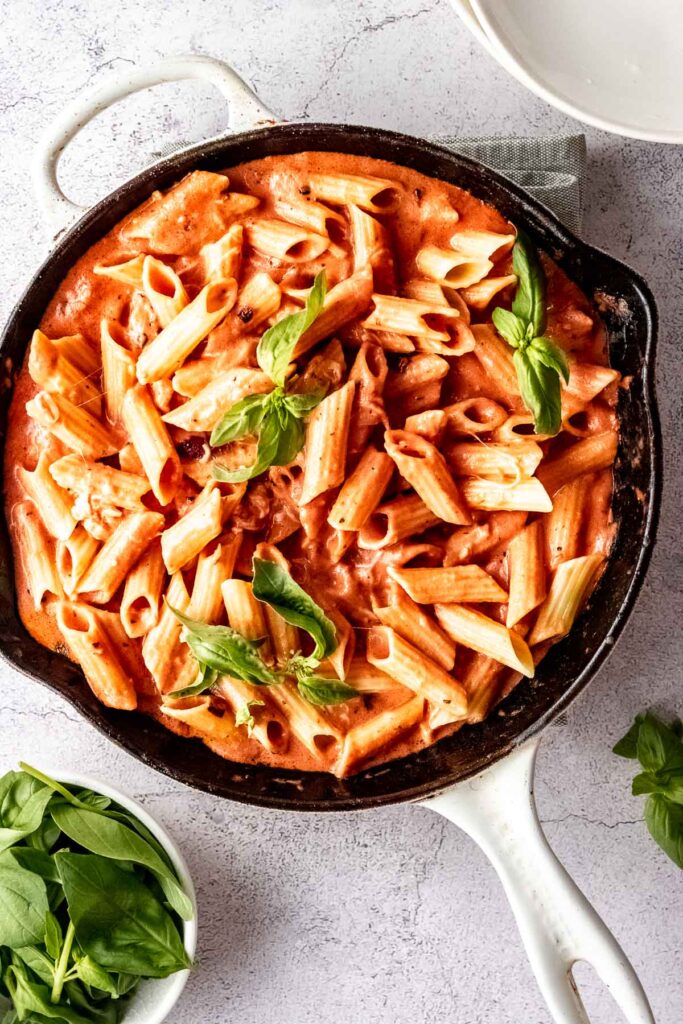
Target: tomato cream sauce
{"x": 428, "y": 212}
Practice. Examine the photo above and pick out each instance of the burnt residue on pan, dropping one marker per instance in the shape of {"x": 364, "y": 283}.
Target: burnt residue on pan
{"x": 629, "y": 314}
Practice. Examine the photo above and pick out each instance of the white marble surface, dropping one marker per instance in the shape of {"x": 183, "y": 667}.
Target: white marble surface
{"x": 393, "y": 916}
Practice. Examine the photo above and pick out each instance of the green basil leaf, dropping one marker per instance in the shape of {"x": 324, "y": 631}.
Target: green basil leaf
{"x": 241, "y": 419}
{"x": 509, "y": 326}
{"x": 322, "y": 691}
{"x": 95, "y": 800}
{"x": 206, "y": 678}
{"x": 266, "y": 452}
{"x": 551, "y": 355}
{"x": 664, "y": 820}
{"x": 118, "y": 921}
{"x": 226, "y": 651}
{"x": 30, "y": 997}
{"x": 22, "y": 807}
{"x": 39, "y": 962}
{"x": 90, "y": 973}
{"x": 23, "y": 906}
{"x": 302, "y": 405}
{"x": 244, "y": 716}
{"x": 540, "y": 390}
{"x": 273, "y": 585}
{"x": 109, "y": 838}
{"x": 291, "y": 439}
{"x": 658, "y": 746}
{"x": 53, "y": 936}
{"x": 52, "y": 784}
{"x": 36, "y": 861}
{"x": 529, "y": 301}
{"x": 628, "y": 744}
{"x": 276, "y": 347}
{"x": 644, "y": 782}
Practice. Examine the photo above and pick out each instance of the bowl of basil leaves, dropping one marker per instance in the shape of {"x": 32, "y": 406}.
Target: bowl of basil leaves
{"x": 97, "y": 907}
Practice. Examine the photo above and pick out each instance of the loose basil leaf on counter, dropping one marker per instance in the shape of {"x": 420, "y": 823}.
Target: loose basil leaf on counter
{"x": 23, "y": 906}
{"x": 117, "y": 920}
{"x": 539, "y": 362}
{"x": 226, "y": 651}
{"x": 276, "y": 347}
{"x": 244, "y": 715}
{"x": 108, "y": 838}
{"x": 323, "y": 691}
{"x": 659, "y": 749}
{"x": 273, "y": 585}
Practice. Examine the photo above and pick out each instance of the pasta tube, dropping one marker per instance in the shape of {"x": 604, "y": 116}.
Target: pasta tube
{"x": 482, "y": 634}
{"x": 400, "y": 660}
{"x": 526, "y": 570}
{"x": 88, "y": 640}
{"x": 118, "y": 555}
{"x": 571, "y": 584}
{"x": 424, "y": 467}
{"x": 459, "y": 584}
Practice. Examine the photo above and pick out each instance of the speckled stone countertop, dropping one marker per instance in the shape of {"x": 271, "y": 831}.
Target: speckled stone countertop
{"x": 394, "y": 916}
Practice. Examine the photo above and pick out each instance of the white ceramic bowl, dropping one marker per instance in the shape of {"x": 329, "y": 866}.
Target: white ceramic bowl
{"x": 155, "y": 997}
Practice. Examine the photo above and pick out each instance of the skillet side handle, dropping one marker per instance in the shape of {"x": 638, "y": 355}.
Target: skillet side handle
{"x": 246, "y": 111}
{"x": 557, "y": 923}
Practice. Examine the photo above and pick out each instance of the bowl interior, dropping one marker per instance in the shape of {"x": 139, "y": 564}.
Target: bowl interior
{"x": 630, "y": 317}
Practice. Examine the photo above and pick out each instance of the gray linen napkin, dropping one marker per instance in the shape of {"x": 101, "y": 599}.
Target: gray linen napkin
{"x": 552, "y": 168}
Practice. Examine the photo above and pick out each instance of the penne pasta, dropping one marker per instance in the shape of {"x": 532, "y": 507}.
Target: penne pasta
{"x": 413, "y": 624}
{"x": 102, "y": 485}
{"x": 191, "y": 533}
{"x": 166, "y": 658}
{"x": 496, "y": 461}
{"x": 563, "y": 525}
{"x": 473, "y": 541}
{"x": 202, "y": 718}
{"x": 53, "y": 371}
{"x": 129, "y": 272}
{"x": 366, "y": 739}
{"x": 586, "y": 456}
{"x": 479, "y": 295}
{"x": 79, "y": 352}
{"x": 270, "y": 729}
{"x": 152, "y": 444}
{"x": 92, "y": 647}
{"x": 142, "y": 593}
{"x": 362, "y": 491}
{"x": 118, "y": 555}
{"x": 527, "y": 495}
{"x": 376, "y": 195}
{"x": 327, "y": 435}
{"x": 480, "y": 633}
{"x": 202, "y": 412}
{"x": 48, "y": 497}
{"x": 33, "y": 551}
{"x": 408, "y": 316}
{"x": 571, "y": 583}
{"x": 495, "y": 355}
{"x": 474, "y": 416}
{"x": 425, "y": 469}
{"x": 459, "y": 584}
{"x": 482, "y": 244}
{"x": 72, "y": 425}
{"x": 215, "y": 565}
{"x": 451, "y": 268}
{"x": 400, "y": 660}
{"x": 286, "y": 242}
{"x": 73, "y": 556}
{"x": 394, "y": 521}
{"x": 526, "y": 571}
{"x": 310, "y": 726}
{"x": 258, "y": 300}
{"x": 315, "y": 216}
{"x": 372, "y": 247}
{"x": 171, "y": 347}
{"x": 343, "y": 303}
{"x": 164, "y": 289}
{"x": 221, "y": 260}
{"x": 118, "y": 367}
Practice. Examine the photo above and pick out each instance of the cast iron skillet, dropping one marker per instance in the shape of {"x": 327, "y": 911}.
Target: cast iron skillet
{"x": 629, "y": 313}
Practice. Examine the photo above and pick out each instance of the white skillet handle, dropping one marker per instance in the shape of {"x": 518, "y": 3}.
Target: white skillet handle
{"x": 557, "y": 923}
{"x": 246, "y": 111}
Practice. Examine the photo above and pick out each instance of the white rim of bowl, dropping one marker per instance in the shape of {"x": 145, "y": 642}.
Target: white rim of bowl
{"x": 494, "y": 44}
{"x": 174, "y": 984}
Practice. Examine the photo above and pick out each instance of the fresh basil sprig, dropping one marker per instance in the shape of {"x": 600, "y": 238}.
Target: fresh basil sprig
{"x": 89, "y": 903}
{"x": 539, "y": 362}
{"x": 659, "y": 749}
{"x": 226, "y": 652}
{"x": 243, "y": 715}
{"x": 276, "y": 418}
{"x": 274, "y": 586}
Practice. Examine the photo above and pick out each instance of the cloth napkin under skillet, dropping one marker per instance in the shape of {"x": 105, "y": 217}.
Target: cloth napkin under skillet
{"x": 552, "y": 168}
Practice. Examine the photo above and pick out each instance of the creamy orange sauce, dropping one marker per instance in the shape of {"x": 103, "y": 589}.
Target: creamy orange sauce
{"x": 424, "y": 215}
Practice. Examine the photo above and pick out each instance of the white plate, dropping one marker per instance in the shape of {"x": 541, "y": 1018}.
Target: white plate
{"x": 615, "y": 64}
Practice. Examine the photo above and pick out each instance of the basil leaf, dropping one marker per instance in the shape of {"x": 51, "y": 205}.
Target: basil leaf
{"x": 529, "y": 301}
{"x": 244, "y": 715}
{"x": 118, "y": 921}
{"x": 658, "y": 746}
{"x": 23, "y": 906}
{"x": 276, "y": 347}
{"x": 551, "y": 355}
{"x": 30, "y": 997}
{"x": 226, "y": 651}
{"x": 510, "y": 326}
{"x": 206, "y": 678}
{"x": 35, "y": 861}
{"x": 291, "y": 439}
{"x": 266, "y": 452}
{"x": 322, "y": 691}
{"x": 90, "y": 973}
{"x": 23, "y": 800}
{"x": 540, "y": 390}
{"x": 628, "y": 744}
{"x": 39, "y": 962}
{"x": 302, "y": 405}
{"x": 664, "y": 820}
{"x": 243, "y": 418}
{"x": 273, "y": 585}
{"x": 53, "y": 936}
{"x": 109, "y": 838}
